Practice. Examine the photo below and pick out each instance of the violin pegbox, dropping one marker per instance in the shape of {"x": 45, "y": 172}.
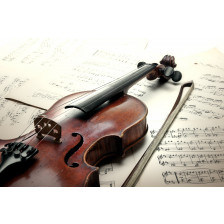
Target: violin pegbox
{"x": 165, "y": 70}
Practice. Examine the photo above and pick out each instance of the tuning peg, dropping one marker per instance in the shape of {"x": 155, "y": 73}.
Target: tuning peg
{"x": 167, "y": 65}
{"x": 177, "y": 76}
{"x": 169, "y": 72}
{"x": 165, "y": 70}
{"x": 140, "y": 64}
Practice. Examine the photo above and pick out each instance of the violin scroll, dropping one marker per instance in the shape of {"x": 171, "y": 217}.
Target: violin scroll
{"x": 165, "y": 70}
{"x": 168, "y": 60}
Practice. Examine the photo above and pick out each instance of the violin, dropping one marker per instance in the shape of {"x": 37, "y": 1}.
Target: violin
{"x": 81, "y": 130}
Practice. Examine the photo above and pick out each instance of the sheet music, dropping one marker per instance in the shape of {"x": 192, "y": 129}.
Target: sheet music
{"x": 46, "y": 52}
{"x": 192, "y": 155}
{"x": 206, "y": 100}
{"x": 16, "y": 119}
{"x": 9, "y": 83}
{"x": 101, "y": 66}
{"x": 193, "y": 146}
{"x": 61, "y": 52}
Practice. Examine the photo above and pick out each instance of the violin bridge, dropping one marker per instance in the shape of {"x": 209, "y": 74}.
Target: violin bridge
{"x": 46, "y": 127}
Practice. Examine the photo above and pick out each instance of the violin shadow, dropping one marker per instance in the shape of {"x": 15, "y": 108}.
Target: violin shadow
{"x": 119, "y": 160}
{"x": 160, "y": 83}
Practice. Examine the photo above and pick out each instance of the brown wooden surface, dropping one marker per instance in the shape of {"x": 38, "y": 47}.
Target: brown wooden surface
{"x": 110, "y": 130}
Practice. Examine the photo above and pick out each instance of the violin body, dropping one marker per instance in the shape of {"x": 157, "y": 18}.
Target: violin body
{"x": 86, "y": 140}
{"x": 79, "y": 131}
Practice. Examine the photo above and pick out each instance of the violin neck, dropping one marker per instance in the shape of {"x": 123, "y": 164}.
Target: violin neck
{"x": 89, "y": 102}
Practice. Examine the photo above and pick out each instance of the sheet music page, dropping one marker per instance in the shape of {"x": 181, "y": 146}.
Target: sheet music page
{"x": 193, "y": 140}
{"x": 102, "y": 66}
{"x": 206, "y": 100}
{"x": 191, "y": 154}
{"x": 16, "y": 118}
{"x": 61, "y": 52}
{"x": 44, "y": 52}
{"x": 26, "y": 68}
{"x": 98, "y": 68}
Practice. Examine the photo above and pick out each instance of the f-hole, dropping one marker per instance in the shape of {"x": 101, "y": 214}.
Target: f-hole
{"x": 73, "y": 150}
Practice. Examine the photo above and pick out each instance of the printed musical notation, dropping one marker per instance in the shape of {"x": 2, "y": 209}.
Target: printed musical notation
{"x": 23, "y": 47}
{"x": 190, "y": 160}
{"x": 202, "y": 113}
{"x": 7, "y": 83}
{"x": 212, "y": 131}
{"x": 15, "y": 118}
{"x": 44, "y": 52}
{"x": 202, "y": 148}
{"x": 193, "y": 154}
{"x": 193, "y": 146}
{"x": 92, "y": 73}
{"x": 194, "y": 176}
{"x": 106, "y": 169}
{"x": 107, "y": 183}
{"x": 206, "y": 101}
{"x": 204, "y": 145}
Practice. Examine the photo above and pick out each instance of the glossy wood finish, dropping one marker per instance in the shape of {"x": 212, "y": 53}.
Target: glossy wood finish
{"x": 110, "y": 130}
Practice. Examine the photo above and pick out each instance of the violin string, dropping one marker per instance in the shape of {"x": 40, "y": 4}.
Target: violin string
{"x": 69, "y": 101}
{"x": 33, "y": 135}
{"x": 25, "y": 137}
{"x": 54, "y": 109}
{"x": 51, "y": 110}
{"x": 57, "y": 108}
{"x": 73, "y": 100}
{"x": 27, "y": 128}
{"x": 44, "y": 136}
{"x": 87, "y": 92}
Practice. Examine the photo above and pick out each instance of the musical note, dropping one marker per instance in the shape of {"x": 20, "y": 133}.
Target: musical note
{"x": 206, "y": 100}
{"x": 44, "y": 52}
{"x": 213, "y": 131}
{"x": 188, "y": 144}
{"x": 205, "y": 145}
{"x": 194, "y": 176}
{"x": 15, "y": 118}
{"x": 193, "y": 154}
{"x": 110, "y": 183}
{"x": 190, "y": 160}
{"x": 105, "y": 169}
{"x": 90, "y": 74}
{"x": 8, "y": 84}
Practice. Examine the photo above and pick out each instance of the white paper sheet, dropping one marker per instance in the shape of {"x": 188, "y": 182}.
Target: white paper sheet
{"x": 97, "y": 69}
{"x": 193, "y": 145}
{"x": 191, "y": 154}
